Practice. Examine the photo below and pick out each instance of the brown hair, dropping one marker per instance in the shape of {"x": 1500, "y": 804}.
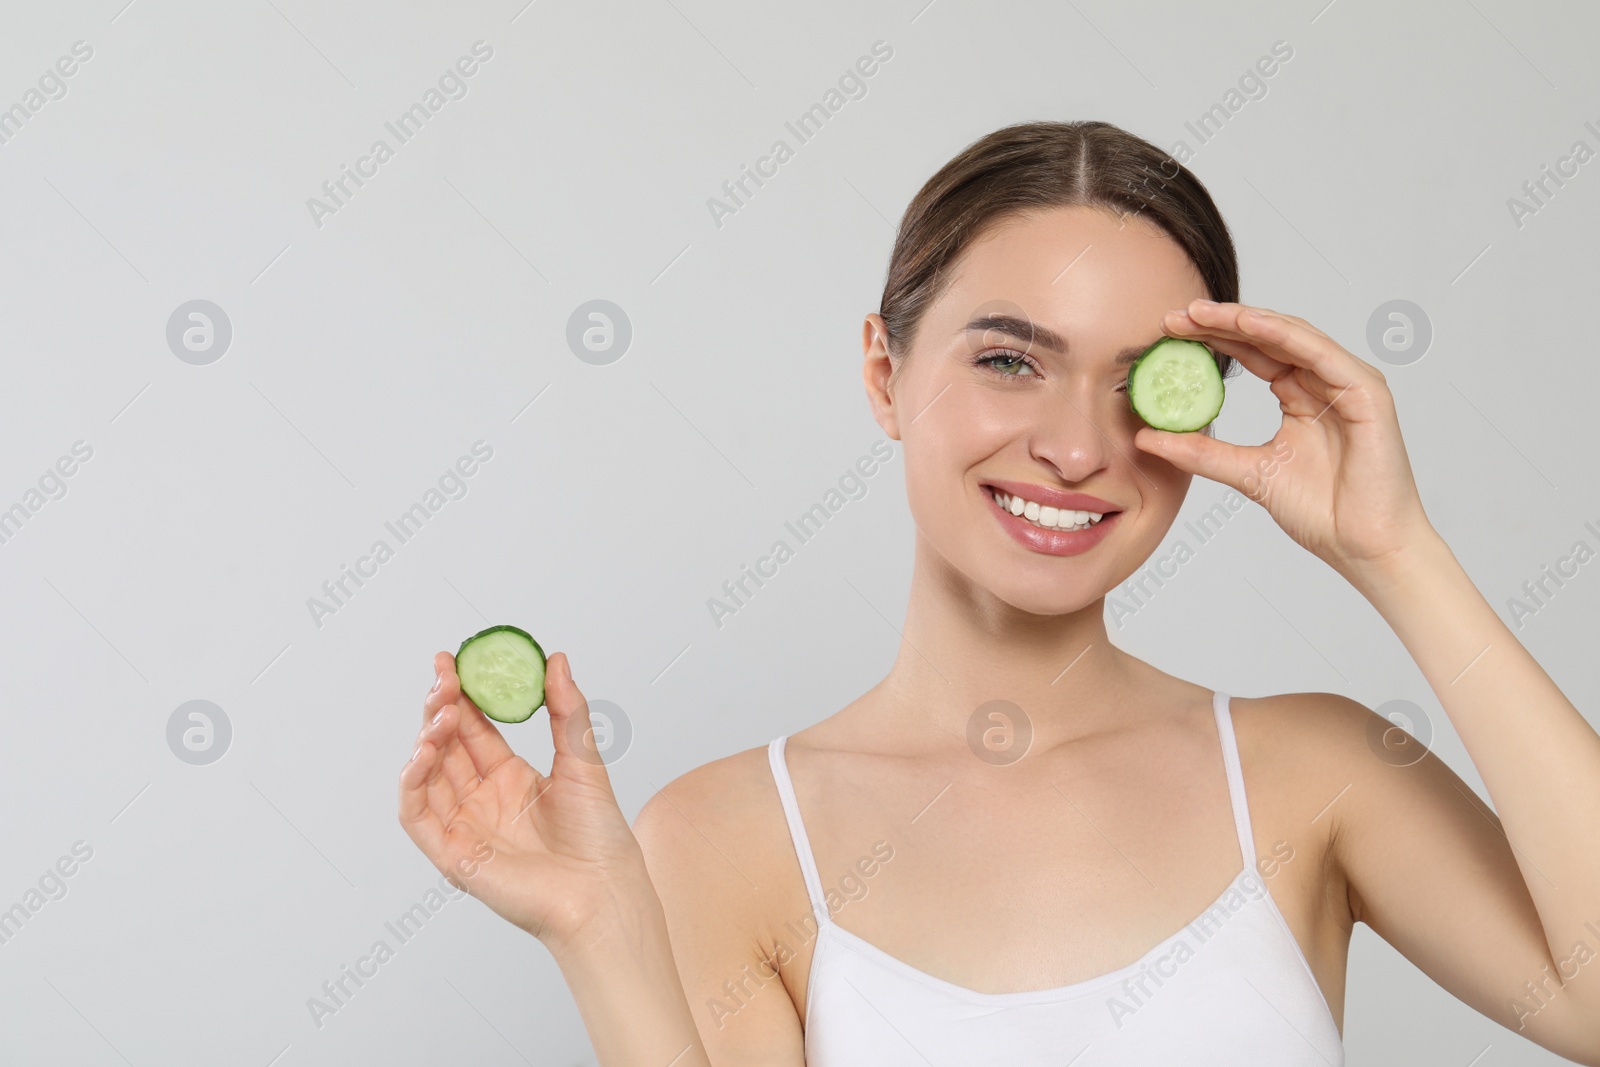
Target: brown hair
{"x": 1034, "y": 165}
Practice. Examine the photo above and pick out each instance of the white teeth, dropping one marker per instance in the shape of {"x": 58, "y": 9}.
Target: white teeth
{"x": 1047, "y": 517}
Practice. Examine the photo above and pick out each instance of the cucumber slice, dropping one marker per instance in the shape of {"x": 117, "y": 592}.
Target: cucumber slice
{"x": 502, "y": 671}
{"x": 1175, "y": 385}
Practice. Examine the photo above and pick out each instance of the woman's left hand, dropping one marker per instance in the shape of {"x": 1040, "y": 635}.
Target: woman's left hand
{"x": 1335, "y": 476}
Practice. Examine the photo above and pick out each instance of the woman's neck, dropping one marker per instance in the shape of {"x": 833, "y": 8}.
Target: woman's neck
{"x": 962, "y": 648}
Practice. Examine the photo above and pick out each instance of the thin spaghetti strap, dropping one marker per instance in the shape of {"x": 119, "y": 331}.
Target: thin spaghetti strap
{"x": 1221, "y": 704}
{"x": 797, "y": 827}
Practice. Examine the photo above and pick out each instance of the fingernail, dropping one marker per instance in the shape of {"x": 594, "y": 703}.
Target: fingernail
{"x": 436, "y": 717}
{"x": 1206, "y": 303}
{"x": 436, "y": 680}
{"x": 414, "y": 754}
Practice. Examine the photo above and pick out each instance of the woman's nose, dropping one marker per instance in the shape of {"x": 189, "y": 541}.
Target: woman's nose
{"x": 1075, "y": 439}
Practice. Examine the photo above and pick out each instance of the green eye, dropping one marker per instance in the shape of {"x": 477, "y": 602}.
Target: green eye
{"x": 1005, "y": 364}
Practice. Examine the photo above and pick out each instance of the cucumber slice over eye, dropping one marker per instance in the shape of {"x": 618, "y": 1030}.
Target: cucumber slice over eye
{"x": 1175, "y": 385}
{"x": 502, "y": 671}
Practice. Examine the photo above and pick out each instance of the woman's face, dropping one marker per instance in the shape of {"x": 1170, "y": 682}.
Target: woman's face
{"x": 1036, "y": 404}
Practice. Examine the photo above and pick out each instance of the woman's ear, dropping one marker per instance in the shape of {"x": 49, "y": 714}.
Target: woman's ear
{"x": 877, "y": 367}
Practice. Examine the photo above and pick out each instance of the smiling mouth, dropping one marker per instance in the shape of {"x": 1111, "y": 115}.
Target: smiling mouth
{"x": 1043, "y": 516}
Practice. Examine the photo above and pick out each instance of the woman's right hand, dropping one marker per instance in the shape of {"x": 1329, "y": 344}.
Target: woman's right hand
{"x": 551, "y": 854}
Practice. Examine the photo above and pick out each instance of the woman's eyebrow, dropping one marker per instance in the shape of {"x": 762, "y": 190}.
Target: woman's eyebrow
{"x": 1031, "y": 333}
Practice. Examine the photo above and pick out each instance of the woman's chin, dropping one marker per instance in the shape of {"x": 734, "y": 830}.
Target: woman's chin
{"x": 1062, "y": 599}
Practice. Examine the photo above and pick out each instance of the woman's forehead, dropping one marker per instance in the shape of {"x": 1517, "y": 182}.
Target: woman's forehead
{"x": 1069, "y": 279}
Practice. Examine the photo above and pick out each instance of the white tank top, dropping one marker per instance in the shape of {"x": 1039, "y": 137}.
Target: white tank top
{"x": 1230, "y": 987}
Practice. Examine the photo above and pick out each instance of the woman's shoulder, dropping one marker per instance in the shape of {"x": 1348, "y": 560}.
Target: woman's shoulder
{"x": 722, "y": 808}
{"x": 721, "y": 789}
{"x": 1329, "y": 725}
{"x": 1306, "y": 748}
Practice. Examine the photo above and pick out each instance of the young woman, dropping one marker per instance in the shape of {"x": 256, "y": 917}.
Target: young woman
{"x": 1025, "y": 846}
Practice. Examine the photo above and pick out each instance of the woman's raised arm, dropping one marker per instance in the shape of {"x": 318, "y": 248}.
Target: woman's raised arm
{"x": 1503, "y": 911}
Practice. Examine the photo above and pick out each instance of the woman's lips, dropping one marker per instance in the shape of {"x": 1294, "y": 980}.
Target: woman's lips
{"x": 1049, "y": 542}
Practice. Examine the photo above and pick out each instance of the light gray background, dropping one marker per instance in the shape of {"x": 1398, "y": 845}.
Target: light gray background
{"x": 368, "y": 354}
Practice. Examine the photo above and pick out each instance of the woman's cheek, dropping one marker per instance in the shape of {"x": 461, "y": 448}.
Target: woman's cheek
{"x": 931, "y": 484}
